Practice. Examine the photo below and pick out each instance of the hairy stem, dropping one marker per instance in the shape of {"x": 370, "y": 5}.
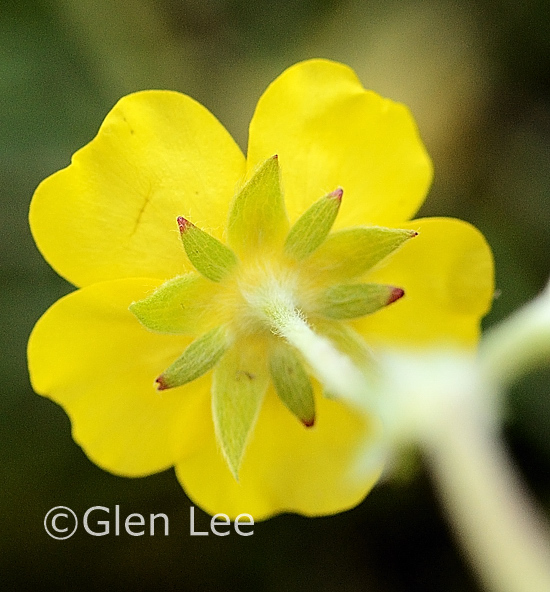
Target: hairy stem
{"x": 505, "y": 538}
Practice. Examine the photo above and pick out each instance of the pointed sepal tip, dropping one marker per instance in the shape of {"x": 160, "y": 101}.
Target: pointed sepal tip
{"x": 313, "y": 226}
{"x": 352, "y": 301}
{"x": 209, "y": 256}
{"x": 183, "y": 224}
{"x": 395, "y": 294}
{"x": 161, "y": 383}
{"x": 336, "y": 194}
{"x": 200, "y": 356}
{"x": 292, "y": 384}
{"x": 308, "y": 423}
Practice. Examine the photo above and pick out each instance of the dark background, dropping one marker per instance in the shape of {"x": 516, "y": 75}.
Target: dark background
{"x": 477, "y": 78}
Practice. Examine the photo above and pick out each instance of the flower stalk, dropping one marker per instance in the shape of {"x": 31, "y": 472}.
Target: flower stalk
{"x": 448, "y": 403}
{"x": 503, "y": 533}
{"x": 519, "y": 344}
{"x": 334, "y": 370}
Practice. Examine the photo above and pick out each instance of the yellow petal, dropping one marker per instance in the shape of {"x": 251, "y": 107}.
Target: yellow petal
{"x": 112, "y": 213}
{"x": 91, "y": 355}
{"x": 448, "y": 278}
{"x": 287, "y": 467}
{"x": 329, "y": 132}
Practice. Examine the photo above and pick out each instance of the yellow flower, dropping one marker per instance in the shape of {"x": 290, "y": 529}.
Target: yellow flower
{"x": 187, "y": 356}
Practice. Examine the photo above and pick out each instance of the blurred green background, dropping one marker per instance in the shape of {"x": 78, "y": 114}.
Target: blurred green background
{"x": 477, "y": 78}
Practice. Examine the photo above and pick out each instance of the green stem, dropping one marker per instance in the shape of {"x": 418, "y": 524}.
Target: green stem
{"x": 505, "y": 538}
{"x": 443, "y": 402}
{"x": 518, "y": 344}
{"x": 335, "y": 370}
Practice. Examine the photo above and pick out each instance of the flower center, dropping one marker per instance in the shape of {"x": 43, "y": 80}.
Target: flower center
{"x": 263, "y": 288}
{"x": 271, "y": 305}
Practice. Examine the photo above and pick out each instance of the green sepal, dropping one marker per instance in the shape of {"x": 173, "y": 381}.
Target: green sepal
{"x": 238, "y": 388}
{"x": 349, "y": 253}
{"x": 292, "y": 383}
{"x": 313, "y": 226}
{"x": 199, "y": 357}
{"x": 177, "y": 306}
{"x": 257, "y": 218}
{"x": 208, "y": 255}
{"x": 351, "y": 301}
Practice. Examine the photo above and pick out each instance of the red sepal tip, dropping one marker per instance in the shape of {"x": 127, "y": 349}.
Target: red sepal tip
{"x": 337, "y": 194}
{"x": 395, "y": 294}
{"x": 308, "y": 423}
{"x": 183, "y": 224}
{"x": 162, "y": 386}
